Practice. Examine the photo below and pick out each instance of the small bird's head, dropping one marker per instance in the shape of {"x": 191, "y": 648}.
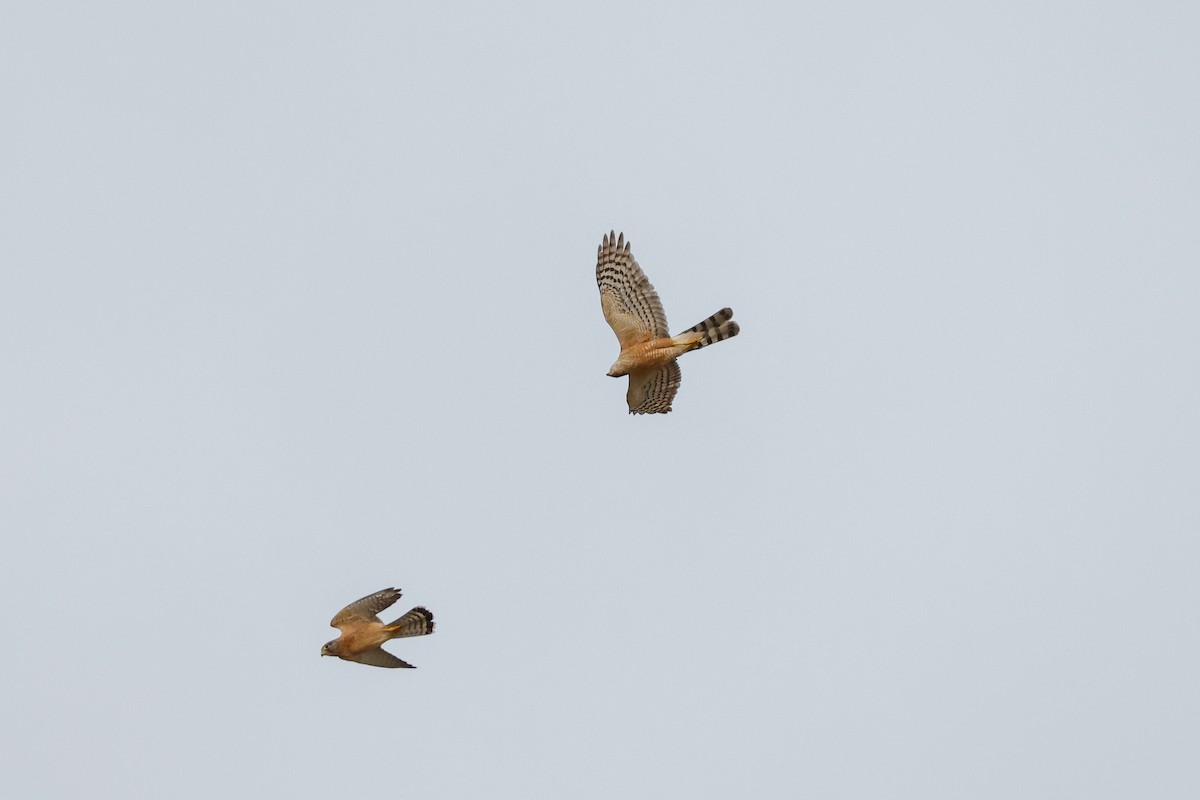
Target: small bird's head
{"x": 329, "y": 648}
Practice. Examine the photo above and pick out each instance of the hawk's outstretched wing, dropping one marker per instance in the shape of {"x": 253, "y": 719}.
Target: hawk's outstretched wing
{"x": 378, "y": 657}
{"x": 366, "y": 608}
{"x": 651, "y": 391}
{"x": 630, "y": 304}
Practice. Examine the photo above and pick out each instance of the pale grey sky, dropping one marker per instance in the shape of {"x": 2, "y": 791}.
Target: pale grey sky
{"x": 298, "y": 302}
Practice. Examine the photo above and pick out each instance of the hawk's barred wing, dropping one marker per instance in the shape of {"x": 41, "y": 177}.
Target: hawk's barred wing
{"x": 378, "y": 657}
{"x": 630, "y": 304}
{"x": 651, "y": 391}
{"x": 366, "y": 608}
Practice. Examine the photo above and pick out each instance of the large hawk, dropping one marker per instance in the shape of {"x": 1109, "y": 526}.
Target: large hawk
{"x": 648, "y": 350}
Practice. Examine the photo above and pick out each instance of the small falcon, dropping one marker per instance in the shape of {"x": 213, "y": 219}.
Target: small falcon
{"x": 648, "y": 351}
{"x": 363, "y": 632}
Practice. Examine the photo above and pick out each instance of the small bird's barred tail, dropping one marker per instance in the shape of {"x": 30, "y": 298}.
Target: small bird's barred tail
{"x": 717, "y": 328}
{"x": 417, "y": 622}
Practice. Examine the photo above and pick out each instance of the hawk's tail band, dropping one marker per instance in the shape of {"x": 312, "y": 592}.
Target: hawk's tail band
{"x": 717, "y": 328}
{"x": 417, "y": 622}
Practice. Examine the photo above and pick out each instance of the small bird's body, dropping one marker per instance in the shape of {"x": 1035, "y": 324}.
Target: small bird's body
{"x": 363, "y": 632}
{"x": 648, "y": 351}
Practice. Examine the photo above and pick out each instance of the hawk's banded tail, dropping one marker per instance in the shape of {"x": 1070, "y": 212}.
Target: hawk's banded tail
{"x": 717, "y": 328}
{"x": 416, "y": 622}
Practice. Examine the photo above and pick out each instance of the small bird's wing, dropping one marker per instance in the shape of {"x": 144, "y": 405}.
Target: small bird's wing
{"x": 378, "y": 657}
{"x": 417, "y": 622}
{"x": 627, "y": 298}
{"x": 651, "y": 391}
{"x": 366, "y": 608}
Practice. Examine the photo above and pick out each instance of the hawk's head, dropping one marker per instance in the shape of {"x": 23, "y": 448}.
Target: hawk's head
{"x": 329, "y": 648}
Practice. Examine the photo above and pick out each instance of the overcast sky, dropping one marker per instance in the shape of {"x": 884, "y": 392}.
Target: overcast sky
{"x": 298, "y": 302}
